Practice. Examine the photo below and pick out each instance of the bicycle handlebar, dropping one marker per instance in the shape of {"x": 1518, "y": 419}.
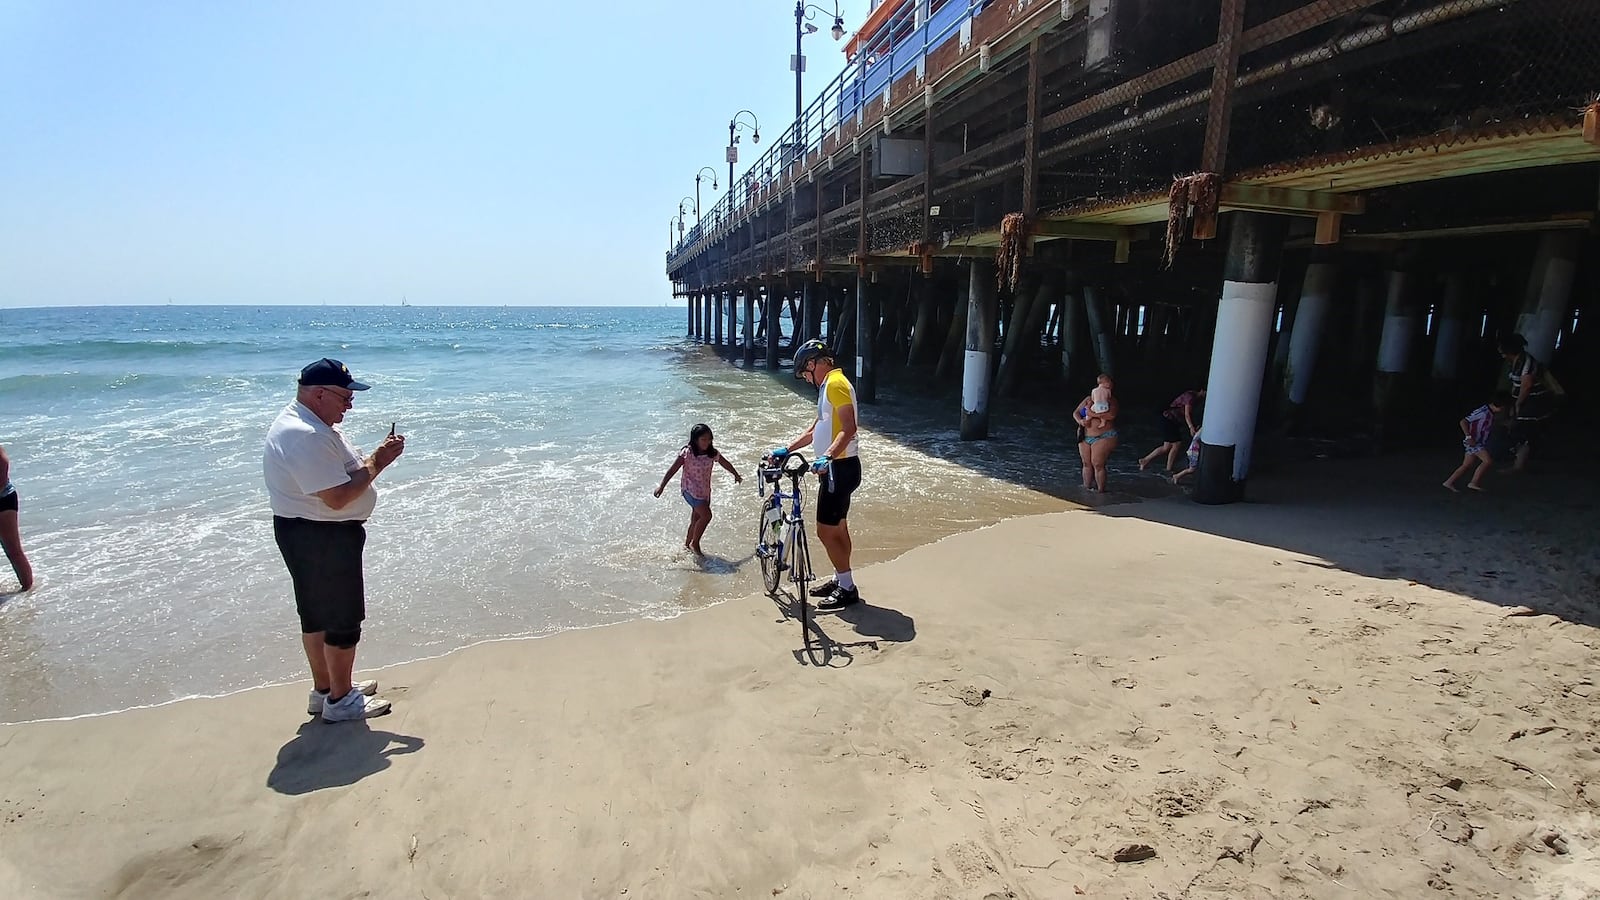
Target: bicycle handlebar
{"x": 794, "y": 465}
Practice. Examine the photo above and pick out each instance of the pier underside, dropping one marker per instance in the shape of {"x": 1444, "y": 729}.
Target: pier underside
{"x": 1108, "y": 180}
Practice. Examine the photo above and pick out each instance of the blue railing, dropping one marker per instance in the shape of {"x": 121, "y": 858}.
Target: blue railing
{"x": 898, "y": 47}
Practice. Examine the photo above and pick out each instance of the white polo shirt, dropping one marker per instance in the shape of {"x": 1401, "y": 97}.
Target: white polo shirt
{"x": 306, "y": 455}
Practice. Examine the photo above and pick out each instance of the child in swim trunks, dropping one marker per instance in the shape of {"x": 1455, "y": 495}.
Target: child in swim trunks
{"x": 1476, "y": 429}
{"x": 1194, "y": 458}
{"x": 696, "y": 459}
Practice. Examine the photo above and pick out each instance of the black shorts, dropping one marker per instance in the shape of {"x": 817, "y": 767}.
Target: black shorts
{"x": 8, "y": 502}
{"x": 1525, "y": 432}
{"x": 838, "y": 483}
{"x": 1172, "y": 430}
{"x": 324, "y": 559}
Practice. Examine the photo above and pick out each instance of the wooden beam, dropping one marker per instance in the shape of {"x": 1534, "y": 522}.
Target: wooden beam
{"x": 1591, "y": 124}
{"x": 1328, "y": 226}
{"x": 863, "y": 260}
{"x": 1086, "y": 231}
{"x": 1554, "y": 222}
{"x": 861, "y": 215}
{"x": 1293, "y": 201}
{"x": 1030, "y": 147}
{"x": 1224, "y": 71}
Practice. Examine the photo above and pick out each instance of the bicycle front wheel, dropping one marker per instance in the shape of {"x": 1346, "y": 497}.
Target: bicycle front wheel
{"x": 767, "y": 552}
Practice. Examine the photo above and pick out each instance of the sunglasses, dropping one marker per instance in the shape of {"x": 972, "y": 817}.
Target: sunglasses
{"x": 345, "y": 396}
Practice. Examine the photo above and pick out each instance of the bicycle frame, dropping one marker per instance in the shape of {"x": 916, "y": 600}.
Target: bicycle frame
{"x": 795, "y": 516}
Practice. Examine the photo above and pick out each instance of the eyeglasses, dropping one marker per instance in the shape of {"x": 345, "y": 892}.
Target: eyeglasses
{"x": 344, "y": 396}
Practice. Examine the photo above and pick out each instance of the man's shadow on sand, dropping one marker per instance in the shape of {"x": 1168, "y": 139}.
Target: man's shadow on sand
{"x": 323, "y": 755}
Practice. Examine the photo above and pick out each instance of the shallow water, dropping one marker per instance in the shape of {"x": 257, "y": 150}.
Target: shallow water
{"x": 522, "y": 505}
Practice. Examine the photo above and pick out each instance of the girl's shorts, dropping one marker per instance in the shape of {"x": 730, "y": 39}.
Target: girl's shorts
{"x": 694, "y": 501}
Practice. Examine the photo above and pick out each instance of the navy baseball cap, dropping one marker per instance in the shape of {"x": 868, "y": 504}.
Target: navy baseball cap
{"x": 330, "y": 372}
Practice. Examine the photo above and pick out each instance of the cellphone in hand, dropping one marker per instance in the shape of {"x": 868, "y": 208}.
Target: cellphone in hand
{"x": 391, "y": 428}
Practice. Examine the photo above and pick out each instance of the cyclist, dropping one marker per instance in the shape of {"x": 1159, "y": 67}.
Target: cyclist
{"x": 833, "y": 445}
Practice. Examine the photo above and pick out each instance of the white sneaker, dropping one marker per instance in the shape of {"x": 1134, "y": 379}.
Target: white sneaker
{"x": 355, "y": 705}
{"x": 314, "y": 702}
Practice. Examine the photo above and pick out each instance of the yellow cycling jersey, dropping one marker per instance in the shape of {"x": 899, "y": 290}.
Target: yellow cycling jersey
{"x": 835, "y": 394}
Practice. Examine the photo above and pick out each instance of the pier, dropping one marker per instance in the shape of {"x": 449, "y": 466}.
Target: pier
{"x": 1319, "y": 208}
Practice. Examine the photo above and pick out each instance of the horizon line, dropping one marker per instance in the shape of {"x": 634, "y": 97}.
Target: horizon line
{"x": 243, "y": 305}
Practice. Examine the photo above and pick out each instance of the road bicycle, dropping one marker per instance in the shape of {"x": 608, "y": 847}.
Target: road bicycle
{"x": 781, "y": 532}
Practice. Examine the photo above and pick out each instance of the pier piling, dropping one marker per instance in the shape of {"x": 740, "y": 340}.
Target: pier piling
{"x": 1239, "y": 355}
{"x": 976, "y": 374}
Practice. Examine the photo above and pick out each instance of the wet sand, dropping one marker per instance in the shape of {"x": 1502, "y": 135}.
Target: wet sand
{"x": 1357, "y": 685}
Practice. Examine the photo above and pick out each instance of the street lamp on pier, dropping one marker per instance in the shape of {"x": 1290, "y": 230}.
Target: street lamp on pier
{"x": 698, "y": 176}
{"x": 681, "y": 204}
{"x": 733, "y": 139}
{"x": 803, "y": 11}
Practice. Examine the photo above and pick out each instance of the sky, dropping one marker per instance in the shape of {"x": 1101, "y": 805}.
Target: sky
{"x": 358, "y": 152}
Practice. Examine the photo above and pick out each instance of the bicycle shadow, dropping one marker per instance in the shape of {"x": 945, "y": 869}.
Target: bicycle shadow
{"x": 874, "y": 624}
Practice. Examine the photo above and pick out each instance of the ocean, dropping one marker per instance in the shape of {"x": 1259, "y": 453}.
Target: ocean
{"x": 521, "y": 508}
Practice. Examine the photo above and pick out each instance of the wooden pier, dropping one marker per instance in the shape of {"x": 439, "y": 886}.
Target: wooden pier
{"x": 1304, "y": 203}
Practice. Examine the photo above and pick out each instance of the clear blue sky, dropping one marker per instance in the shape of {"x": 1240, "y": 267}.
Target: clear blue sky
{"x": 356, "y": 151}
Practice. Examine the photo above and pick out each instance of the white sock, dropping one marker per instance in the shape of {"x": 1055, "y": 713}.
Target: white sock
{"x": 845, "y": 581}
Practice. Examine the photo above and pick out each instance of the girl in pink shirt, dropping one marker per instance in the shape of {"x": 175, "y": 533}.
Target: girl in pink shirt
{"x": 695, "y": 459}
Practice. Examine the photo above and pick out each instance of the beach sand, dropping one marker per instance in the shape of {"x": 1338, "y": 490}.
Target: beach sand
{"x": 1328, "y": 693}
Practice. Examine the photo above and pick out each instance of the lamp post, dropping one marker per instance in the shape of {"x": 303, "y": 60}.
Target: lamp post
{"x": 802, "y": 11}
{"x": 680, "y": 215}
{"x": 733, "y": 142}
{"x": 697, "y": 178}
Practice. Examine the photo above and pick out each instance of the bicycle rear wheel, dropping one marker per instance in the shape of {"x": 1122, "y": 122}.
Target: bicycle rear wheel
{"x": 800, "y": 575}
{"x": 767, "y": 552}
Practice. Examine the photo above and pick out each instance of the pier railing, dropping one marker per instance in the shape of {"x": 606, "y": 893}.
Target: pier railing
{"x": 902, "y": 45}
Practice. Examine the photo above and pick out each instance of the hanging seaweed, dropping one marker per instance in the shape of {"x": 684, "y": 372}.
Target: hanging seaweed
{"x": 1199, "y": 192}
{"x": 1013, "y": 244}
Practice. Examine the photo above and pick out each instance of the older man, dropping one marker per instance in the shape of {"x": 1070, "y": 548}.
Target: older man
{"x": 321, "y": 492}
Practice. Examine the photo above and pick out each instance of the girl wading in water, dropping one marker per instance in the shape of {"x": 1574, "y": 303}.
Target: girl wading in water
{"x": 696, "y": 459}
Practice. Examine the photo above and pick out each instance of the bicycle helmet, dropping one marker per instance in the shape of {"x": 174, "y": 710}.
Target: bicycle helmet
{"x": 809, "y": 351}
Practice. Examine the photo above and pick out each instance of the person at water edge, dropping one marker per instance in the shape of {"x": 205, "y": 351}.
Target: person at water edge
{"x": 695, "y": 459}
{"x": 321, "y": 492}
{"x": 1097, "y": 435}
{"x": 1532, "y": 397}
{"x": 836, "y": 461}
{"x": 1179, "y": 413}
{"x": 1476, "y": 430}
{"x": 10, "y": 529}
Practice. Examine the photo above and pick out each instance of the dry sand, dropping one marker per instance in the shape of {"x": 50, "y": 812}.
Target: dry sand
{"x": 1326, "y": 698}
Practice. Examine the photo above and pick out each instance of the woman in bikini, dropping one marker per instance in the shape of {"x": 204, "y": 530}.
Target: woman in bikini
{"x": 1097, "y": 435}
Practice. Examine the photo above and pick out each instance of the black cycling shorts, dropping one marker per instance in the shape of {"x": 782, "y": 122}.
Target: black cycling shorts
{"x": 324, "y": 560}
{"x": 838, "y": 483}
{"x": 8, "y": 502}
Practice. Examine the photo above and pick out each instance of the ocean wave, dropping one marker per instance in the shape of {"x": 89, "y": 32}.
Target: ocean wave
{"x": 108, "y": 349}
